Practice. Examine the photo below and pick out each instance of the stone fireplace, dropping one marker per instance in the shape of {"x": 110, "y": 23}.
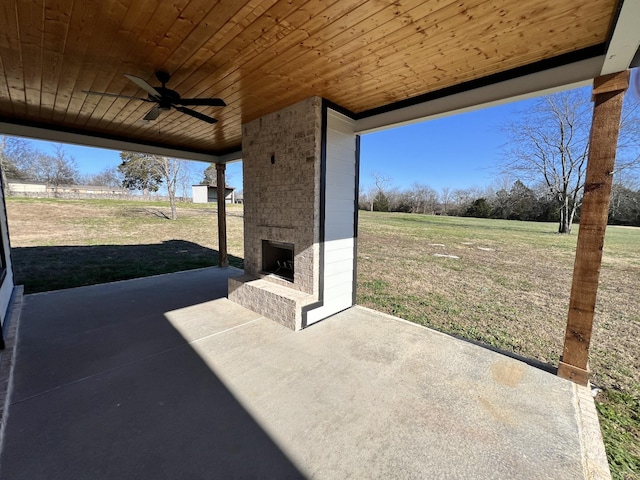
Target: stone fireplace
{"x": 298, "y": 242}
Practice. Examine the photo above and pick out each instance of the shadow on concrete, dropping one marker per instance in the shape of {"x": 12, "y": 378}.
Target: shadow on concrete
{"x": 107, "y": 387}
{"x": 48, "y": 268}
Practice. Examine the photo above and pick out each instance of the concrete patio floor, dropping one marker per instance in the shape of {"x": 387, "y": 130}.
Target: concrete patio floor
{"x": 163, "y": 377}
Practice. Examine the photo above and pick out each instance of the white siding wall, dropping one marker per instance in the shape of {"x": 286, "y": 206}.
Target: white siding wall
{"x": 339, "y": 245}
{"x": 16, "y": 187}
{"x": 7, "y": 285}
{"x": 199, "y": 193}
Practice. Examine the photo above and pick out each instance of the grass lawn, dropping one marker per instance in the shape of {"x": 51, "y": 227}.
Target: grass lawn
{"x": 69, "y": 243}
{"x": 509, "y": 286}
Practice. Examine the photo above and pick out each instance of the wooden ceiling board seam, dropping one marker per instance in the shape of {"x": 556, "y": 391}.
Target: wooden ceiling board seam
{"x": 361, "y": 105}
{"x": 4, "y": 89}
{"x": 162, "y": 22}
{"x": 213, "y": 21}
{"x": 195, "y": 54}
{"x": 81, "y": 105}
{"x": 199, "y": 129}
{"x": 330, "y": 95}
{"x": 30, "y": 18}
{"x": 270, "y": 56}
{"x": 135, "y": 66}
{"x": 218, "y": 44}
{"x": 247, "y": 67}
{"x": 131, "y": 107}
{"x": 184, "y": 28}
{"x": 392, "y": 67}
{"x": 12, "y": 62}
{"x": 460, "y": 73}
{"x": 54, "y": 39}
{"x": 370, "y": 94}
{"x": 77, "y": 43}
{"x": 263, "y": 25}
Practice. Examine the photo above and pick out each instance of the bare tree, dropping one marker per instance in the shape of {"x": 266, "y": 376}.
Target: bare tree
{"x": 549, "y": 144}
{"x": 171, "y": 170}
{"x": 16, "y": 158}
{"x": 445, "y": 199}
{"x": 423, "y": 198}
{"x": 379, "y": 190}
{"x": 107, "y": 177}
{"x": 184, "y": 180}
{"x": 8, "y": 165}
{"x": 147, "y": 172}
{"x": 462, "y": 199}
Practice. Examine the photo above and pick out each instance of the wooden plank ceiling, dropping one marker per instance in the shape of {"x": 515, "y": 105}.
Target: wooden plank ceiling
{"x": 262, "y": 55}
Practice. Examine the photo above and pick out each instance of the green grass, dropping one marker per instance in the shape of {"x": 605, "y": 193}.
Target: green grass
{"x": 509, "y": 288}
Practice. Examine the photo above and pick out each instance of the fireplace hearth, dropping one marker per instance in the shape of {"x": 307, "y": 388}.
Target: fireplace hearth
{"x": 278, "y": 259}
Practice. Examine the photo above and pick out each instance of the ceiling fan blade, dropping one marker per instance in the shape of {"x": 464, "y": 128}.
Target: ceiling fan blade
{"x": 205, "y": 102}
{"x": 198, "y": 115}
{"x": 144, "y": 86}
{"x": 103, "y": 94}
{"x": 152, "y": 114}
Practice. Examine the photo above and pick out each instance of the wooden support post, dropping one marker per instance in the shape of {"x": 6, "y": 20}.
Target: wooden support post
{"x": 222, "y": 215}
{"x": 608, "y": 93}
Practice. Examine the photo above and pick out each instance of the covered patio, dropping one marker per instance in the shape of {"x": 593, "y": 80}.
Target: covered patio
{"x": 151, "y": 378}
{"x": 163, "y": 377}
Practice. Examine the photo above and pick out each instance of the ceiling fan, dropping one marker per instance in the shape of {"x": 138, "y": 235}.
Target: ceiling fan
{"x": 166, "y": 99}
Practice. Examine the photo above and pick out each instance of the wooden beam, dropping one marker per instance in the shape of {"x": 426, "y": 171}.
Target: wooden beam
{"x": 608, "y": 93}
{"x": 222, "y": 216}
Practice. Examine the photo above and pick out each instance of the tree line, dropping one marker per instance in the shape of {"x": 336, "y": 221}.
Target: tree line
{"x": 142, "y": 172}
{"x": 508, "y": 201}
{"x": 21, "y": 160}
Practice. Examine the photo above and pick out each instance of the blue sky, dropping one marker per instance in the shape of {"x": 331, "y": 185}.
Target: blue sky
{"x": 458, "y": 151}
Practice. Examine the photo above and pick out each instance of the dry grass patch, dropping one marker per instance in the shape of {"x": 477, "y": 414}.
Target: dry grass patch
{"x": 67, "y": 243}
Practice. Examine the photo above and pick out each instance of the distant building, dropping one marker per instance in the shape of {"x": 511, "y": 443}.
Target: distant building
{"x": 25, "y": 188}
{"x": 209, "y": 194}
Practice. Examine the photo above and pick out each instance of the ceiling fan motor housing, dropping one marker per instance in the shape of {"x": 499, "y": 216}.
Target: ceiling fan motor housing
{"x": 167, "y": 97}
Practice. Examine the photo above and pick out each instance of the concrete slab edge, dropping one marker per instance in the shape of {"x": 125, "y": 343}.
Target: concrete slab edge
{"x": 594, "y": 456}
{"x": 8, "y": 357}
{"x": 406, "y": 322}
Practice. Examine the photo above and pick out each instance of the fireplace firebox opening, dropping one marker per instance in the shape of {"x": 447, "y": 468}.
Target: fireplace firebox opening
{"x": 277, "y": 259}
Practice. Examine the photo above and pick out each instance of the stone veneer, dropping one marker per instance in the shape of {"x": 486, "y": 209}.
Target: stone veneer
{"x": 281, "y": 174}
